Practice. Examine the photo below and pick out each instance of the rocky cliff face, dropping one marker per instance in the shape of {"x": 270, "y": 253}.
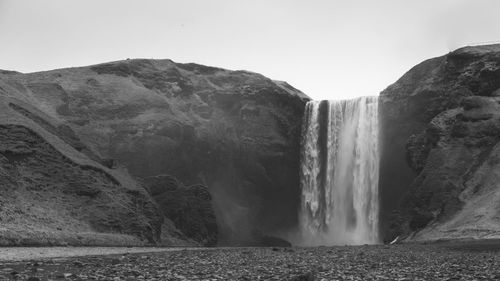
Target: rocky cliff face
{"x": 189, "y": 207}
{"x": 440, "y": 154}
{"x": 235, "y": 132}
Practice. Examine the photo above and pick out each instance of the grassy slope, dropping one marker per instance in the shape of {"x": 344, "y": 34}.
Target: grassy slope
{"x": 46, "y": 216}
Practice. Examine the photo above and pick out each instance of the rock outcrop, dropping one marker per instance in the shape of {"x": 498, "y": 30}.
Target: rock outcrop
{"x": 440, "y": 156}
{"x": 189, "y": 207}
{"x": 235, "y": 132}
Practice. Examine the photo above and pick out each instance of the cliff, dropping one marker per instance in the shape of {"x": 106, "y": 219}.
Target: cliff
{"x": 440, "y": 127}
{"x": 233, "y": 134}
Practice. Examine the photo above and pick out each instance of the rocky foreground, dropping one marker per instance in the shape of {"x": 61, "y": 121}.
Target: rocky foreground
{"x": 479, "y": 261}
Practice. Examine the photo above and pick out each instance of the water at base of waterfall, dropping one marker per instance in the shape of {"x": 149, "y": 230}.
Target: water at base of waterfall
{"x": 339, "y": 173}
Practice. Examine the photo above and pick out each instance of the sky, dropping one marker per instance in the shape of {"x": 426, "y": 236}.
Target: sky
{"x": 328, "y": 49}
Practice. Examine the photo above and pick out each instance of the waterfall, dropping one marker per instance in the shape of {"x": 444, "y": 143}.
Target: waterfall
{"x": 339, "y": 173}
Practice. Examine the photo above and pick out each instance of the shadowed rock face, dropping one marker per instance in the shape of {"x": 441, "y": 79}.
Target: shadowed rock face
{"x": 235, "y": 132}
{"x": 440, "y": 129}
{"x": 190, "y": 208}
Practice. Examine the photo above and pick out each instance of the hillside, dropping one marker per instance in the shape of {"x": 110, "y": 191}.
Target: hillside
{"x": 440, "y": 158}
{"x": 234, "y": 134}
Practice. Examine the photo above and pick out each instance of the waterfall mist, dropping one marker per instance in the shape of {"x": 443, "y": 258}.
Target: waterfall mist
{"x": 339, "y": 173}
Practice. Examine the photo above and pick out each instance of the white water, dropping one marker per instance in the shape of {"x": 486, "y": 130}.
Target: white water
{"x": 339, "y": 173}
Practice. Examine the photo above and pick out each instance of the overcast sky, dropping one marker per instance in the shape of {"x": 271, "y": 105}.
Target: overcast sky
{"x": 328, "y": 49}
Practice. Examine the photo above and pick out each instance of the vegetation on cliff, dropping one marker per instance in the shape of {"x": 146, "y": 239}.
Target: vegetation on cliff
{"x": 442, "y": 118}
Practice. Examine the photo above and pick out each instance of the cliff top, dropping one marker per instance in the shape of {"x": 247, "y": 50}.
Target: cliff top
{"x": 153, "y": 73}
{"x": 477, "y": 50}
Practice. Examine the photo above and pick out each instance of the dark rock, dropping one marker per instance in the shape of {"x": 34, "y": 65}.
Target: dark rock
{"x": 269, "y": 241}
{"x": 258, "y": 239}
{"x": 473, "y": 102}
{"x": 190, "y": 208}
{"x": 442, "y": 117}
{"x": 109, "y": 163}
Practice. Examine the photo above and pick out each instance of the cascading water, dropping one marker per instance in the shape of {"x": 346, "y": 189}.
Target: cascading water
{"x": 339, "y": 173}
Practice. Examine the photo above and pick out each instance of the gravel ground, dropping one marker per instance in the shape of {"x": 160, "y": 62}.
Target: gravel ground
{"x": 396, "y": 262}
{"x": 32, "y": 253}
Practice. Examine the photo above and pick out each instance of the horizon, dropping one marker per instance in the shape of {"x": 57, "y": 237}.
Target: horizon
{"x": 327, "y": 49}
